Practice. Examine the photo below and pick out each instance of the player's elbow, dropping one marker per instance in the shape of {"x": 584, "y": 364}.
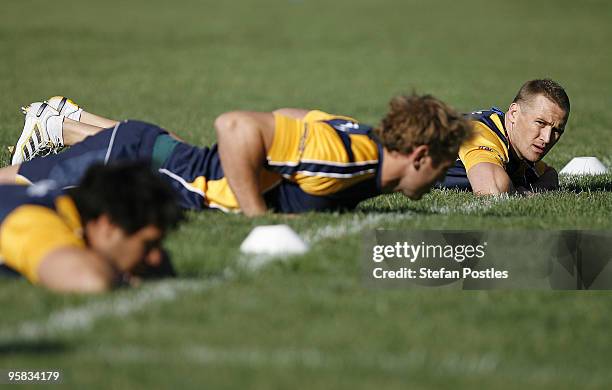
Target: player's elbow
{"x": 228, "y": 124}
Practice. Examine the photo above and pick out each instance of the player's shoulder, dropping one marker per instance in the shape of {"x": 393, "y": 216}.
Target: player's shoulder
{"x": 489, "y": 123}
{"x": 341, "y": 123}
{"x": 319, "y": 115}
{"x": 493, "y": 118}
{"x": 38, "y": 222}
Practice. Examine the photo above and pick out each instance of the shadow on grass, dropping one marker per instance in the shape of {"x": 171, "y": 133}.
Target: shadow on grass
{"x": 22, "y": 347}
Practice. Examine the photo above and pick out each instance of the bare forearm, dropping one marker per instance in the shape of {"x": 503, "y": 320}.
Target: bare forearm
{"x": 242, "y": 152}
{"x": 241, "y": 175}
{"x": 75, "y": 270}
{"x": 489, "y": 179}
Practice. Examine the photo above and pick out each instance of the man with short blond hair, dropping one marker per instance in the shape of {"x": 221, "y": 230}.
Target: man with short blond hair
{"x": 506, "y": 154}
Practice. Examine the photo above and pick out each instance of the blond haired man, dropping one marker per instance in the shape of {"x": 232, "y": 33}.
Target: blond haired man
{"x": 505, "y": 156}
{"x": 289, "y": 160}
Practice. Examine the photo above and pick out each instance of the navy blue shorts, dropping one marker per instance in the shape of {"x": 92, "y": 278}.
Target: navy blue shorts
{"x": 128, "y": 141}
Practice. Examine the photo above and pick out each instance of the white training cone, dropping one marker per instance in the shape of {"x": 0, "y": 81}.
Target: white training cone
{"x": 273, "y": 240}
{"x": 584, "y": 166}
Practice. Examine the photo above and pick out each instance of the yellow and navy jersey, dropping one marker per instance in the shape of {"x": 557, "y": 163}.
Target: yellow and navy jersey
{"x": 319, "y": 162}
{"x": 35, "y": 221}
{"x": 490, "y": 144}
{"x": 334, "y": 161}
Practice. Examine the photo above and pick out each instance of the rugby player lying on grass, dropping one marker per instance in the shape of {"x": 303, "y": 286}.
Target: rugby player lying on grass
{"x": 91, "y": 238}
{"x": 289, "y": 160}
{"x": 506, "y": 154}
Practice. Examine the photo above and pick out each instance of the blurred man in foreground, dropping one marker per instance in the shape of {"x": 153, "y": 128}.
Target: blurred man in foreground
{"x": 91, "y": 238}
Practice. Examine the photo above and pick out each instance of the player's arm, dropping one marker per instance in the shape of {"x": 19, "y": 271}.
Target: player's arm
{"x": 243, "y": 137}
{"x": 489, "y": 179}
{"x": 38, "y": 244}
{"x": 484, "y": 157}
{"x": 72, "y": 269}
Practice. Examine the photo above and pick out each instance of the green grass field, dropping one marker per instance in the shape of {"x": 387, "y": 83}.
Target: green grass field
{"x": 309, "y": 321}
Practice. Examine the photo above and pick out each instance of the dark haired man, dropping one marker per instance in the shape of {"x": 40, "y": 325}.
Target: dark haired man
{"x": 89, "y": 238}
{"x": 506, "y": 154}
{"x": 289, "y": 160}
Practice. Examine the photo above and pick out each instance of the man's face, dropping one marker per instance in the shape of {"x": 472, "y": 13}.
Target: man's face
{"x": 142, "y": 246}
{"x": 419, "y": 178}
{"x": 126, "y": 251}
{"x": 535, "y": 127}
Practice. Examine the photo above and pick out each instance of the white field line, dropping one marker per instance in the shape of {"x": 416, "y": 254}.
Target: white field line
{"x": 84, "y": 316}
{"x": 353, "y": 225}
{"x": 122, "y": 304}
{"x": 256, "y": 357}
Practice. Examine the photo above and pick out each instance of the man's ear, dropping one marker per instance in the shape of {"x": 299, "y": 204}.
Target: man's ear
{"x": 513, "y": 111}
{"x": 418, "y": 155}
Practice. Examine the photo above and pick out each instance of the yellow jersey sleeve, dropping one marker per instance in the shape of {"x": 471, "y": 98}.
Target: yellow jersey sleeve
{"x": 30, "y": 233}
{"x": 485, "y": 146}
